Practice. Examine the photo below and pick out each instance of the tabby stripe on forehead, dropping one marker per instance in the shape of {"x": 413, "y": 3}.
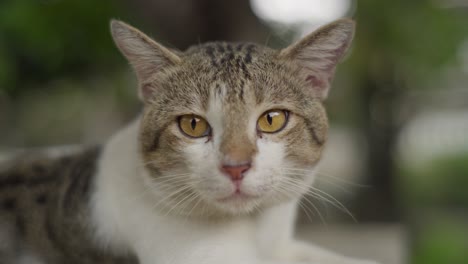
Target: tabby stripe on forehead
{"x": 245, "y": 71}
{"x": 241, "y": 94}
{"x": 220, "y": 47}
{"x": 227, "y": 57}
{"x": 248, "y": 55}
{"x": 210, "y": 52}
{"x": 240, "y": 46}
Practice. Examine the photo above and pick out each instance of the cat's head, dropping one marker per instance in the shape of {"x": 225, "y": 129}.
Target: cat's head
{"x": 229, "y": 128}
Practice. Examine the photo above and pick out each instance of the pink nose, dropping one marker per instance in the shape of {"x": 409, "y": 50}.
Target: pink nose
{"x": 236, "y": 172}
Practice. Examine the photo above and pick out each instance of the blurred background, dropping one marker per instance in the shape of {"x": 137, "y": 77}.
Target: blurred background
{"x": 397, "y": 159}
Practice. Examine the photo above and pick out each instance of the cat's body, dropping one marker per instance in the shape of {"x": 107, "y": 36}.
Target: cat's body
{"x": 211, "y": 172}
{"x": 45, "y": 214}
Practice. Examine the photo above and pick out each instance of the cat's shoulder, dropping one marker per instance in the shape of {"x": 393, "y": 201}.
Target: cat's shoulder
{"x": 32, "y": 167}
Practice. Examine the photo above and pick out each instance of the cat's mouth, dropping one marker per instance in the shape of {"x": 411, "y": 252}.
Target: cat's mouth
{"x": 237, "y": 196}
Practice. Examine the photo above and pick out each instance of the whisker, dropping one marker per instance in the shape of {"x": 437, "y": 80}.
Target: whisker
{"x": 316, "y": 209}
{"x": 303, "y": 206}
{"x": 340, "y": 205}
{"x": 319, "y": 173}
{"x": 184, "y": 205}
{"x": 194, "y": 206}
{"x": 284, "y": 190}
{"x": 323, "y": 174}
{"x": 172, "y": 176}
{"x": 334, "y": 184}
{"x": 179, "y": 202}
{"x": 317, "y": 193}
{"x": 174, "y": 181}
{"x": 175, "y": 193}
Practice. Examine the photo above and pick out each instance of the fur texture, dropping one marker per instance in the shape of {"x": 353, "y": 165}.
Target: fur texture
{"x": 44, "y": 213}
{"x": 155, "y": 195}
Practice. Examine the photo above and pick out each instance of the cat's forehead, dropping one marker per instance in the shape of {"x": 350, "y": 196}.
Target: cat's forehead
{"x": 242, "y": 69}
{"x": 236, "y": 74}
{"x": 230, "y": 55}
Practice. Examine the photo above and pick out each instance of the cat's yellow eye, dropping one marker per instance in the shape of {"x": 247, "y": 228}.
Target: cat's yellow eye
{"x": 194, "y": 126}
{"x": 272, "y": 121}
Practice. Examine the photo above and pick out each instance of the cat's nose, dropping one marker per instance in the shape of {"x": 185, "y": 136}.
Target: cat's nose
{"x": 236, "y": 172}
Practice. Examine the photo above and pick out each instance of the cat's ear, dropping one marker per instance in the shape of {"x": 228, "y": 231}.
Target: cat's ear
{"x": 318, "y": 53}
{"x": 145, "y": 55}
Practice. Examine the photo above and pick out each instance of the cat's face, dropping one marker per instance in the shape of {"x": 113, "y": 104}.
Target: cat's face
{"x": 229, "y": 128}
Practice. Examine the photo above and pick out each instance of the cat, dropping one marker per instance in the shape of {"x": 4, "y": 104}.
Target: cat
{"x": 211, "y": 171}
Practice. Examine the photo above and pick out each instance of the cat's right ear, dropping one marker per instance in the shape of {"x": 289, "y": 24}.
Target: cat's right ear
{"x": 145, "y": 55}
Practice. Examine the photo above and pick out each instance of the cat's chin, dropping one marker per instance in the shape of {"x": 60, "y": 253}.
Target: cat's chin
{"x": 237, "y": 207}
{"x": 239, "y": 204}
{"x": 238, "y": 197}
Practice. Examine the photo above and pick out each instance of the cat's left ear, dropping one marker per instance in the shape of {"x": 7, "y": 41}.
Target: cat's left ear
{"x": 318, "y": 54}
{"x": 145, "y": 55}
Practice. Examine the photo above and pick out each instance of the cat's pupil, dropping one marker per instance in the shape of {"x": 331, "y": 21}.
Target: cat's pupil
{"x": 193, "y": 123}
{"x": 269, "y": 119}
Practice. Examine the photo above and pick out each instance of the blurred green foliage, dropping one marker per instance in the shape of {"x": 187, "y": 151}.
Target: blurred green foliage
{"x": 415, "y": 36}
{"x": 435, "y": 198}
{"x": 42, "y": 40}
{"x": 441, "y": 240}
{"x": 440, "y": 182}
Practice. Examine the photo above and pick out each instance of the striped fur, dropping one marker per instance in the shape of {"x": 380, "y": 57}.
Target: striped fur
{"x": 117, "y": 205}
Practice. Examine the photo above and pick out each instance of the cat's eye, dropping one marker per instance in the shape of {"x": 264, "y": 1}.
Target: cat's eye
{"x": 272, "y": 121}
{"x": 194, "y": 126}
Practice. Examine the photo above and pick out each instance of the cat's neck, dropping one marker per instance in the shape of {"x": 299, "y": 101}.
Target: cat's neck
{"x": 117, "y": 188}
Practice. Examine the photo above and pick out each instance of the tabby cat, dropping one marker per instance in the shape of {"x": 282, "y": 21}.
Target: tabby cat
{"x": 211, "y": 172}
